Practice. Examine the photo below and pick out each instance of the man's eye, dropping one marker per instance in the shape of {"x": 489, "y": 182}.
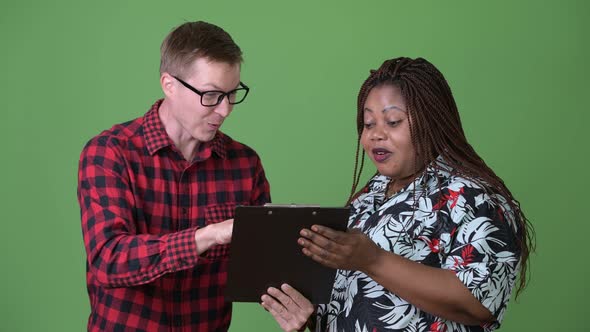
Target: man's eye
{"x": 212, "y": 96}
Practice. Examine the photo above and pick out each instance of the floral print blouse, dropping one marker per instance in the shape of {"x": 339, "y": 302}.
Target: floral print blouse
{"x": 441, "y": 220}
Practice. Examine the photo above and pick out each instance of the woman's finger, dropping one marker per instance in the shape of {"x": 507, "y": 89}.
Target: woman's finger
{"x": 298, "y": 298}
{"x": 284, "y": 324}
{"x": 328, "y": 233}
{"x": 315, "y": 237}
{"x": 292, "y": 307}
{"x": 287, "y": 311}
{"x": 277, "y": 306}
{"x": 321, "y": 251}
{"x": 318, "y": 258}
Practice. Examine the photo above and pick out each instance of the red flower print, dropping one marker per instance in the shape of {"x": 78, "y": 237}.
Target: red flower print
{"x": 434, "y": 245}
{"x": 467, "y": 254}
{"x": 453, "y": 197}
{"x": 438, "y": 327}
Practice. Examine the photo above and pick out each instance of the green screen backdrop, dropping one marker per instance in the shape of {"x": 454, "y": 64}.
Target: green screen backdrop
{"x": 518, "y": 70}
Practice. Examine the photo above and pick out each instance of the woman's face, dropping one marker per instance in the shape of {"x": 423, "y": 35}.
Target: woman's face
{"x": 386, "y": 133}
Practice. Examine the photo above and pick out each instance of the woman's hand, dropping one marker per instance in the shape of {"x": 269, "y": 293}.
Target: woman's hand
{"x": 350, "y": 250}
{"x": 289, "y": 308}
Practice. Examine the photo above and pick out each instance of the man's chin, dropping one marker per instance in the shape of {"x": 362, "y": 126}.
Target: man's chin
{"x": 206, "y": 137}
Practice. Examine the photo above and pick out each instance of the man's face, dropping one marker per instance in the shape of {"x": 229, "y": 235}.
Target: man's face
{"x": 195, "y": 120}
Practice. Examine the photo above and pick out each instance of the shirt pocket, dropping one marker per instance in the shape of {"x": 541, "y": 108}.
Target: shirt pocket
{"x": 216, "y": 214}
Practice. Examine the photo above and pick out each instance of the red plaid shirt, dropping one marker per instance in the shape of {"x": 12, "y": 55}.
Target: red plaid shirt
{"x": 141, "y": 203}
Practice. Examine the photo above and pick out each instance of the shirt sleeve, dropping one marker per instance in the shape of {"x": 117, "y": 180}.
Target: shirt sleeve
{"x": 261, "y": 189}
{"x": 116, "y": 255}
{"x": 483, "y": 253}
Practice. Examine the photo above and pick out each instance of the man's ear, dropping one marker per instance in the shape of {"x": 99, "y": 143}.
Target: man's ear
{"x": 167, "y": 84}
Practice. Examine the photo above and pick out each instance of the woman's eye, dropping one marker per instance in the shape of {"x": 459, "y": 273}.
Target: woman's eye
{"x": 393, "y": 123}
{"x": 368, "y": 125}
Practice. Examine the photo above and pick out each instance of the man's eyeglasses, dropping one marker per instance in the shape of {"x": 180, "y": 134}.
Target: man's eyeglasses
{"x": 215, "y": 97}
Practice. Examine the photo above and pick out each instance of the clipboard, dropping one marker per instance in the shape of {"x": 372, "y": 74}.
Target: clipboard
{"x": 264, "y": 251}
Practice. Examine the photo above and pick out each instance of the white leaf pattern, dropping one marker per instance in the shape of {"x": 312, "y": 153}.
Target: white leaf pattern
{"x": 440, "y": 219}
{"x": 478, "y": 232}
{"x": 372, "y": 289}
{"x": 398, "y": 313}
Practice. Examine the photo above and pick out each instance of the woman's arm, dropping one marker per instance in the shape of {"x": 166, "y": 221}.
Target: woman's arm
{"x": 434, "y": 290}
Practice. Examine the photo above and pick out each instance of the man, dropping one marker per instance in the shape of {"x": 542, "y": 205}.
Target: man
{"x": 157, "y": 195}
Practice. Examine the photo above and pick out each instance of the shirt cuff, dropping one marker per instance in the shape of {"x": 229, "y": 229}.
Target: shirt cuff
{"x": 180, "y": 249}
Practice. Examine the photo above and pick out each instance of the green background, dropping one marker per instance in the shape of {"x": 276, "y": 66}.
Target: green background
{"x": 518, "y": 70}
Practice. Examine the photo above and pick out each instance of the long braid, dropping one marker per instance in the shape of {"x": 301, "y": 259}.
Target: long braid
{"x": 436, "y": 130}
{"x": 356, "y": 175}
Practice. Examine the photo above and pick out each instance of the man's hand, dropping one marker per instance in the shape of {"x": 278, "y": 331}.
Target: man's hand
{"x": 288, "y": 307}
{"x": 223, "y": 231}
{"x": 214, "y": 234}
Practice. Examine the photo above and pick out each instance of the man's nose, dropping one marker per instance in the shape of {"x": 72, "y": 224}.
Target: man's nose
{"x": 224, "y": 108}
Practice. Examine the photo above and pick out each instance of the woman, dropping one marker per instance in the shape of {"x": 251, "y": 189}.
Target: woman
{"x": 436, "y": 239}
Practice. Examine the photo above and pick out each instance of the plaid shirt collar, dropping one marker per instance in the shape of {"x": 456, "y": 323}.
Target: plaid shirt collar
{"x": 156, "y": 137}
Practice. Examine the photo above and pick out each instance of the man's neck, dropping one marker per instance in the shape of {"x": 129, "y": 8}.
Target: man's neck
{"x": 182, "y": 140}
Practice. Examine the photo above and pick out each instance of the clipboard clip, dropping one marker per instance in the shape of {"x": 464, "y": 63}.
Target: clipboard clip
{"x": 293, "y": 205}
